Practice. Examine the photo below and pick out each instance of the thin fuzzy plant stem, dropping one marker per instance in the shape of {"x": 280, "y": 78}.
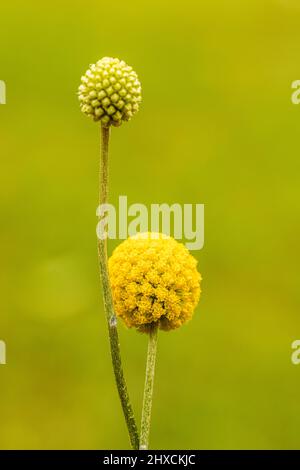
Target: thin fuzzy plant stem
{"x": 148, "y": 390}
{"x": 108, "y": 302}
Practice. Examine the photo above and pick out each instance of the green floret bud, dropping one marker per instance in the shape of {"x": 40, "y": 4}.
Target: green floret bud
{"x": 110, "y": 92}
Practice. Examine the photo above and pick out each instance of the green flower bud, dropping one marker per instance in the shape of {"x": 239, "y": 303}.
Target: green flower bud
{"x": 110, "y": 92}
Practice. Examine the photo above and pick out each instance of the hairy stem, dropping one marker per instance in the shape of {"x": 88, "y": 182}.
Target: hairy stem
{"x": 108, "y": 302}
{"x": 148, "y": 390}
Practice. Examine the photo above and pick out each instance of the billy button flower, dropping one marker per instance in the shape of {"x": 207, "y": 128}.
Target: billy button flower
{"x": 151, "y": 281}
{"x": 155, "y": 285}
{"x": 110, "y": 92}
{"x": 154, "y": 281}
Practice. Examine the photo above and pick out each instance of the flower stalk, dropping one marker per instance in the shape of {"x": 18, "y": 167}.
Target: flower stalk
{"x": 148, "y": 390}
{"x": 108, "y": 301}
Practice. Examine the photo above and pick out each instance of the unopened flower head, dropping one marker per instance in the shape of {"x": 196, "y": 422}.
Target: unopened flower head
{"x": 154, "y": 281}
{"x": 110, "y": 92}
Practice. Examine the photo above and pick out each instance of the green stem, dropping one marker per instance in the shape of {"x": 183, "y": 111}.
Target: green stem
{"x": 108, "y": 302}
{"x": 148, "y": 390}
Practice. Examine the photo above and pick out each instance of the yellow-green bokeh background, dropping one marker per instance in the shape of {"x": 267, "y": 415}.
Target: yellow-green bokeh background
{"x": 216, "y": 126}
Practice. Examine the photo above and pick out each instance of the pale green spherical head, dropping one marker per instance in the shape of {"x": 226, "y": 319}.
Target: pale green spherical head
{"x": 110, "y": 92}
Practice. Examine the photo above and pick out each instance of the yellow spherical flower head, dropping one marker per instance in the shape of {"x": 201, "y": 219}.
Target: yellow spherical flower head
{"x": 154, "y": 281}
{"x": 110, "y": 92}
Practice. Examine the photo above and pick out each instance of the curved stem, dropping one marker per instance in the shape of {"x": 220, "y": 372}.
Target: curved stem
{"x": 108, "y": 302}
{"x": 148, "y": 390}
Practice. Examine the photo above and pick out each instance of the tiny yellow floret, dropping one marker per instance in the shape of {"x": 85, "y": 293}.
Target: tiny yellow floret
{"x": 154, "y": 280}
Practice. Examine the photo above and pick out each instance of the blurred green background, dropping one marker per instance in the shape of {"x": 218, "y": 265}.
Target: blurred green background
{"x": 216, "y": 126}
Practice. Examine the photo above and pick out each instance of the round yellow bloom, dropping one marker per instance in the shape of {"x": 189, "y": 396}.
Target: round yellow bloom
{"x": 154, "y": 280}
